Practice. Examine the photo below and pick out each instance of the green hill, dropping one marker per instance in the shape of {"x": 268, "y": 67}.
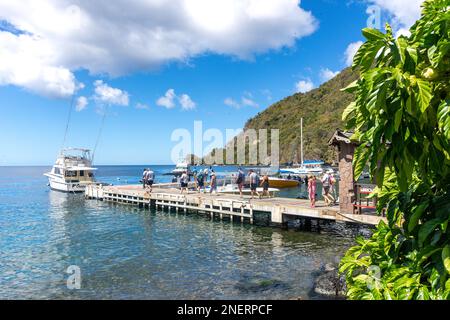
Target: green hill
{"x": 321, "y": 110}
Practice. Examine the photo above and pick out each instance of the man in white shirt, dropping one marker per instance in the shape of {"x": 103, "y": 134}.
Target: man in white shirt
{"x": 150, "y": 178}
{"x": 326, "y": 184}
{"x": 184, "y": 181}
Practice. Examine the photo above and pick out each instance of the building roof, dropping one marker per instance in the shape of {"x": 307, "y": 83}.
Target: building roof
{"x": 341, "y": 136}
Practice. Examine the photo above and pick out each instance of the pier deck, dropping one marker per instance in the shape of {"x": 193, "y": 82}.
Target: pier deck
{"x": 228, "y": 205}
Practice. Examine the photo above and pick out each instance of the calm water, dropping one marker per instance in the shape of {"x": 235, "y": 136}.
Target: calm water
{"x": 128, "y": 253}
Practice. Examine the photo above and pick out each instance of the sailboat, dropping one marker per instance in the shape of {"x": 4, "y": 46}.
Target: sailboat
{"x": 305, "y": 167}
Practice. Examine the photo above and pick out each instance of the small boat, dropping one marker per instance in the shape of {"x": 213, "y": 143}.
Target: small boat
{"x": 181, "y": 167}
{"x": 283, "y": 183}
{"x": 232, "y": 188}
{"x": 72, "y": 171}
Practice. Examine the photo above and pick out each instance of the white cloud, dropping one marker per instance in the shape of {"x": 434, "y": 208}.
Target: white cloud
{"x": 231, "y": 103}
{"x": 350, "y": 52}
{"x": 186, "y": 102}
{"x": 111, "y": 96}
{"x": 168, "y": 100}
{"x": 245, "y": 101}
{"x": 304, "y": 86}
{"x": 326, "y": 74}
{"x": 142, "y": 106}
{"x": 120, "y": 37}
{"x": 403, "y": 12}
{"x": 82, "y": 103}
{"x": 249, "y": 102}
{"x": 24, "y": 62}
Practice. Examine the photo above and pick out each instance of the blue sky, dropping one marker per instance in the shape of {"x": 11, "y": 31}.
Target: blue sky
{"x": 225, "y": 81}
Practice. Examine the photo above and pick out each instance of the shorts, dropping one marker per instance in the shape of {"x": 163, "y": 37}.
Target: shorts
{"x": 239, "y": 181}
{"x": 201, "y": 184}
{"x": 326, "y": 189}
{"x": 184, "y": 184}
{"x": 149, "y": 182}
{"x": 253, "y": 186}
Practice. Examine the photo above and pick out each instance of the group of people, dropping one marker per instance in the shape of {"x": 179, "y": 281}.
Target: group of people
{"x": 148, "y": 177}
{"x": 256, "y": 181}
{"x": 328, "y": 182}
{"x": 201, "y": 177}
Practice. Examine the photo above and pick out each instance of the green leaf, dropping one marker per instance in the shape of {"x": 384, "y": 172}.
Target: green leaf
{"x": 360, "y": 160}
{"x": 444, "y": 118}
{"x": 348, "y": 110}
{"x": 446, "y": 258}
{"x": 373, "y": 34}
{"x": 427, "y": 228}
{"x": 398, "y": 119}
{"x": 412, "y": 52}
{"x": 416, "y": 216}
{"x": 366, "y": 54}
{"x": 352, "y": 87}
{"x": 423, "y": 93}
{"x": 401, "y": 44}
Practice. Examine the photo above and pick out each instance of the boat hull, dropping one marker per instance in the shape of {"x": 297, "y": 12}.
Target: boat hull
{"x": 57, "y": 183}
{"x": 283, "y": 183}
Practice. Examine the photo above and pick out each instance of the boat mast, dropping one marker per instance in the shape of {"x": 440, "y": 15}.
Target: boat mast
{"x": 301, "y": 141}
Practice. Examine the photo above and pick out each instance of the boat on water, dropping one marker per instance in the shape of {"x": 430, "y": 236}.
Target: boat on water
{"x": 232, "y": 188}
{"x": 181, "y": 167}
{"x": 283, "y": 183}
{"x": 72, "y": 171}
{"x": 304, "y": 167}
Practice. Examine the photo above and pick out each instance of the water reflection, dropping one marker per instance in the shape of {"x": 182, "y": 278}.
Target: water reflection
{"x": 128, "y": 253}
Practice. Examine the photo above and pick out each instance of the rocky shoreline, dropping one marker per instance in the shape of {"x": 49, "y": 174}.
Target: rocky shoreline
{"x": 329, "y": 284}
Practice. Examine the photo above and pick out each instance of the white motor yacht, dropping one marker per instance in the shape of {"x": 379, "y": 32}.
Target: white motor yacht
{"x": 181, "y": 167}
{"x": 72, "y": 171}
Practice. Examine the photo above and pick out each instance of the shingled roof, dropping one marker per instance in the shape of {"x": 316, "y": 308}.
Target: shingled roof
{"x": 341, "y": 136}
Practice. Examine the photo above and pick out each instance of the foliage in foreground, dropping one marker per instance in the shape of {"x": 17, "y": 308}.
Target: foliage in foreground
{"x": 401, "y": 117}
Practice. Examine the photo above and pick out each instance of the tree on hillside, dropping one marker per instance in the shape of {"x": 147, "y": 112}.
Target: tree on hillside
{"x": 401, "y": 118}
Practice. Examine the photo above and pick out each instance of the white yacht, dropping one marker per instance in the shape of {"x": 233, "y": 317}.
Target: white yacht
{"x": 72, "y": 171}
{"x": 181, "y": 167}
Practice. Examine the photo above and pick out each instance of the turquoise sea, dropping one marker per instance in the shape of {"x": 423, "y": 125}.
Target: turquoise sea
{"x": 125, "y": 252}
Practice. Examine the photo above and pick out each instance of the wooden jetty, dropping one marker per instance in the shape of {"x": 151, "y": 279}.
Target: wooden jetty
{"x": 223, "y": 205}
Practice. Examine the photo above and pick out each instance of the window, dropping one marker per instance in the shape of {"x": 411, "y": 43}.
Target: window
{"x": 71, "y": 174}
{"x": 81, "y": 173}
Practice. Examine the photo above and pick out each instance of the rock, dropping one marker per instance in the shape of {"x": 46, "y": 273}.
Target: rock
{"x": 330, "y": 284}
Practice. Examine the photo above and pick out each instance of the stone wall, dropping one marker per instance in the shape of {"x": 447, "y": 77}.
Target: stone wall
{"x": 347, "y": 183}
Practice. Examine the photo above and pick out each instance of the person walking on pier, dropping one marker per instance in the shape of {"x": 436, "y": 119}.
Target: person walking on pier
{"x": 326, "y": 183}
{"x": 332, "y": 187}
{"x": 213, "y": 183}
{"x": 254, "y": 181}
{"x": 265, "y": 185}
{"x": 240, "y": 180}
{"x": 144, "y": 178}
{"x": 312, "y": 190}
{"x": 200, "y": 181}
{"x": 150, "y": 177}
{"x": 184, "y": 181}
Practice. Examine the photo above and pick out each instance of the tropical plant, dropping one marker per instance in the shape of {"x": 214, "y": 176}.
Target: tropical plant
{"x": 401, "y": 118}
